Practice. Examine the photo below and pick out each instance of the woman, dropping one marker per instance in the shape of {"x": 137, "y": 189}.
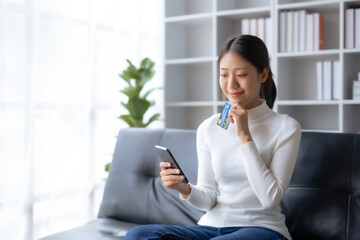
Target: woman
{"x": 243, "y": 171}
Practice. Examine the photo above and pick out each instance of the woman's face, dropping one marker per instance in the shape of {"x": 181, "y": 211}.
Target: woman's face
{"x": 240, "y": 80}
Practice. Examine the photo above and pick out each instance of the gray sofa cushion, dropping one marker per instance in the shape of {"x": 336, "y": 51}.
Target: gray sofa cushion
{"x": 134, "y": 191}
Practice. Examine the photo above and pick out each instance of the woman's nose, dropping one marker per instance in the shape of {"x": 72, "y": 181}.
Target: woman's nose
{"x": 233, "y": 84}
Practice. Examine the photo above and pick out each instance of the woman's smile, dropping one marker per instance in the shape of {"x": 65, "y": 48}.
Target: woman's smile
{"x": 235, "y": 94}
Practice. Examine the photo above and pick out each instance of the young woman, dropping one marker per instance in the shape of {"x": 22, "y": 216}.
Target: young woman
{"x": 243, "y": 171}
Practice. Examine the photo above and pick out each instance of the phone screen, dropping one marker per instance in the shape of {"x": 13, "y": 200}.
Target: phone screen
{"x": 167, "y": 156}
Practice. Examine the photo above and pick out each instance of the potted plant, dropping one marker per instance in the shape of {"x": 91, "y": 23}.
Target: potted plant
{"x": 137, "y": 104}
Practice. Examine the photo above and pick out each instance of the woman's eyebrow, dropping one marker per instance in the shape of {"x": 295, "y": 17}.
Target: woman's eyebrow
{"x": 239, "y": 68}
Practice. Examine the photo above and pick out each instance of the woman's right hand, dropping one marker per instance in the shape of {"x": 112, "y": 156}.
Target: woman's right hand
{"x": 172, "y": 179}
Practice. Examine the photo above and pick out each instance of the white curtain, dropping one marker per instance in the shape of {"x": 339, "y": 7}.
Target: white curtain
{"x": 59, "y": 102}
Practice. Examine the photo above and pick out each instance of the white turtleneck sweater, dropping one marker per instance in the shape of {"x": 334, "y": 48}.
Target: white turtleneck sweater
{"x": 243, "y": 184}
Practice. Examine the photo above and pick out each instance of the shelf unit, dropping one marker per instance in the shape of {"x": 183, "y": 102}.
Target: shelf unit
{"x": 194, "y": 32}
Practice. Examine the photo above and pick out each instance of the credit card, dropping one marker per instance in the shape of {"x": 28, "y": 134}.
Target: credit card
{"x": 224, "y": 120}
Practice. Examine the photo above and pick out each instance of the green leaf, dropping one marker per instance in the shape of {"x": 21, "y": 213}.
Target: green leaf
{"x": 129, "y": 120}
{"x": 130, "y": 63}
{"x": 146, "y": 77}
{"x": 130, "y": 73}
{"x": 132, "y": 122}
{"x": 107, "y": 167}
{"x": 146, "y": 63}
{"x": 137, "y": 107}
{"x": 153, "y": 118}
{"x": 125, "y": 77}
{"x": 132, "y": 91}
{"x": 146, "y": 70}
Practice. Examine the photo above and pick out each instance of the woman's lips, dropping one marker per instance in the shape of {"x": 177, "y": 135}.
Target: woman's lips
{"x": 235, "y": 94}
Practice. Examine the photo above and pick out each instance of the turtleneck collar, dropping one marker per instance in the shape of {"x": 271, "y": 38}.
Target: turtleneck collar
{"x": 259, "y": 112}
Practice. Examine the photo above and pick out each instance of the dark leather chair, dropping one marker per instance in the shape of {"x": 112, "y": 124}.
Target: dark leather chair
{"x": 322, "y": 201}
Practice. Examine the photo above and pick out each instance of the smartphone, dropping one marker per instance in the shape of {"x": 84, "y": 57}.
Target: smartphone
{"x": 167, "y": 156}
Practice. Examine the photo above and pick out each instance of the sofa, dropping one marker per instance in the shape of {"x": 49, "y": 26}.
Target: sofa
{"x": 322, "y": 201}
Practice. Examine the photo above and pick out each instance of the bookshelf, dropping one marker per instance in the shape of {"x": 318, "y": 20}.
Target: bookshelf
{"x": 194, "y": 32}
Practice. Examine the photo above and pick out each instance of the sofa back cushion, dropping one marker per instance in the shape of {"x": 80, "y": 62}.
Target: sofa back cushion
{"x": 323, "y": 201}
{"x": 134, "y": 191}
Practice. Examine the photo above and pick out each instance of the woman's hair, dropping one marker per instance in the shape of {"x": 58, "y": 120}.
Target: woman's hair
{"x": 254, "y": 50}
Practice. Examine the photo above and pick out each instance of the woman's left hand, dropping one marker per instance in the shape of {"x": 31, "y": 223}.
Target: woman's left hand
{"x": 239, "y": 116}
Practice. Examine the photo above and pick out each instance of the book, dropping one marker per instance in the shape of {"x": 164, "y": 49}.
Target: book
{"x": 296, "y": 29}
{"x": 356, "y": 90}
{"x": 319, "y": 80}
{"x": 302, "y": 30}
{"x": 289, "y": 31}
{"x": 349, "y": 28}
{"x": 309, "y": 32}
{"x": 261, "y": 28}
{"x": 245, "y": 26}
{"x": 327, "y": 79}
{"x": 357, "y": 27}
{"x": 268, "y": 34}
{"x": 336, "y": 85}
{"x": 318, "y": 31}
{"x": 282, "y": 46}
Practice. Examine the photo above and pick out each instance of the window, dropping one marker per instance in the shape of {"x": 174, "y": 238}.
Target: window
{"x": 59, "y": 102}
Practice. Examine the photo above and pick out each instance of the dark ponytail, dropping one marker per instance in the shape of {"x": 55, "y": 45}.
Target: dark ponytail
{"x": 254, "y": 50}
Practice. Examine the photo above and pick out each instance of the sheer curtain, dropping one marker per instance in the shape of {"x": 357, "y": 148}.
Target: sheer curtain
{"x": 59, "y": 102}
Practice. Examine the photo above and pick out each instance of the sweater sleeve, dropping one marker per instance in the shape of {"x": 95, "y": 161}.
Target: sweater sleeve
{"x": 269, "y": 184}
{"x": 203, "y": 195}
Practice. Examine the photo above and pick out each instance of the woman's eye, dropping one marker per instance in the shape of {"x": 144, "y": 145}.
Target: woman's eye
{"x": 223, "y": 75}
{"x": 241, "y": 75}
